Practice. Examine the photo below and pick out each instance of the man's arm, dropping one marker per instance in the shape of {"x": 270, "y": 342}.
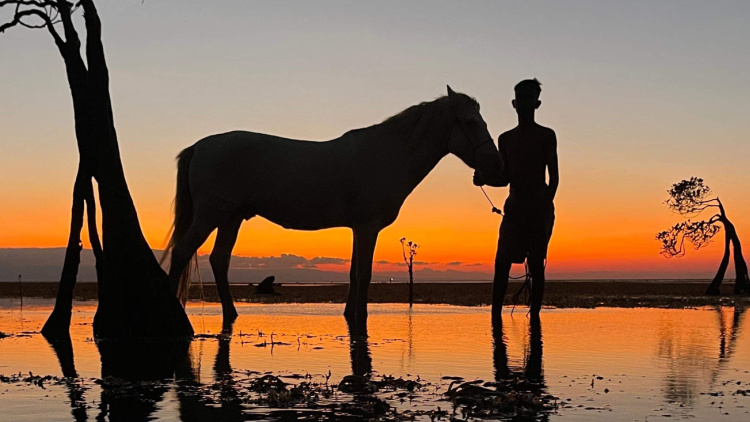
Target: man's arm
{"x": 499, "y": 178}
{"x": 554, "y": 173}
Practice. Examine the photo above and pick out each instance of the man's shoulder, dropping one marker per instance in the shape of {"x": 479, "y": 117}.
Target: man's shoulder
{"x": 547, "y": 136}
{"x": 505, "y": 134}
{"x": 546, "y": 131}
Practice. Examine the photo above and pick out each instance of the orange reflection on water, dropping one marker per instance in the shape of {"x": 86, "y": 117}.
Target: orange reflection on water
{"x": 647, "y": 358}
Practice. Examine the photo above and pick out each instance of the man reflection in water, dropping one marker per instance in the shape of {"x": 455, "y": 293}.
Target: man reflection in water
{"x": 529, "y": 152}
{"x": 532, "y": 369}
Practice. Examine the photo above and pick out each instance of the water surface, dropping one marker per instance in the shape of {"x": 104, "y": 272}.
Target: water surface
{"x": 622, "y": 364}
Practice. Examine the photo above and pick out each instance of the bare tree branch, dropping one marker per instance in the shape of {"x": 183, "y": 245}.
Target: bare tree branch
{"x": 71, "y": 35}
{"x": 46, "y": 10}
{"x": 18, "y": 20}
{"x": 36, "y": 3}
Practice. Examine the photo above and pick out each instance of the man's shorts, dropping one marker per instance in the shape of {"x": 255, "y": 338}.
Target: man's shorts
{"x": 526, "y": 230}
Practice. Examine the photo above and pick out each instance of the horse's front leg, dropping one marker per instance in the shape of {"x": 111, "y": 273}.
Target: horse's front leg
{"x": 351, "y": 300}
{"x": 220, "y": 257}
{"x": 365, "y": 239}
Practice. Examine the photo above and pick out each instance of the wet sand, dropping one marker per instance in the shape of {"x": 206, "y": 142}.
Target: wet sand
{"x": 562, "y": 294}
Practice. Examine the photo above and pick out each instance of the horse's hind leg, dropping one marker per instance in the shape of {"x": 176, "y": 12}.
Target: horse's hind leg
{"x": 186, "y": 248}
{"x": 220, "y": 257}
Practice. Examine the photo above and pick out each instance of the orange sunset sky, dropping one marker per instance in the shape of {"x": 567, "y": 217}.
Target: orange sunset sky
{"x": 641, "y": 95}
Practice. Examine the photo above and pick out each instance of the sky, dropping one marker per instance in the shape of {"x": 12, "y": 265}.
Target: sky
{"x": 641, "y": 94}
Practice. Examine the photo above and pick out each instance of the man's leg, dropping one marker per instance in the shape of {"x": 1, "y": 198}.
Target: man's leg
{"x": 536, "y": 268}
{"x": 500, "y": 284}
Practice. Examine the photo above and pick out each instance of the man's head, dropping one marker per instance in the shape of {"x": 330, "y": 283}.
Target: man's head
{"x": 527, "y": 95}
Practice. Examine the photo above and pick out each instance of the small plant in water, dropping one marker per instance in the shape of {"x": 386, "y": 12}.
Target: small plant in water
{"x": 409, "y": 251}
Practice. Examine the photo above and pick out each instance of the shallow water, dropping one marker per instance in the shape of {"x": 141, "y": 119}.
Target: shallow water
{"x": 602, "y": 364}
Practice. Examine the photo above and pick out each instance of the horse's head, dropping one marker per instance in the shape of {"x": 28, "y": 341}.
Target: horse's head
{"x": 470, "y": 140}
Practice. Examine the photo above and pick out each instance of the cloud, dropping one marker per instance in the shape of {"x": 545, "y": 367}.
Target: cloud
{"x": 322, "y": 260}
{"x": 383, "y": 262}
{"x": 403, "y": 264}
{"x": 454, "y": 263}
{"x": 284, "y": 261}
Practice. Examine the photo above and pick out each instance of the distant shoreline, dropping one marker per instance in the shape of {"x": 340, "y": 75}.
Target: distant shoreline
{"x": 467, "y": 281}
{"x": 564, "y": 294}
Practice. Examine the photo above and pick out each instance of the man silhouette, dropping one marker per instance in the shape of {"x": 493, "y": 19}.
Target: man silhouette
{"x": 529, "y": 151}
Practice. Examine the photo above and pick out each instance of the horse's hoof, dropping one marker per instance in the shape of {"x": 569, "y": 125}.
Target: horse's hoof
{"x": 230, "y": 316}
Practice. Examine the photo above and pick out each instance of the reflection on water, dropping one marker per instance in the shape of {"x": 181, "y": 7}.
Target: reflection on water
{"x": 359, "y": 347}
{"x": 691, "y": 360}
{"x": 532, "y": 360}
{"x": 622, "y": 364}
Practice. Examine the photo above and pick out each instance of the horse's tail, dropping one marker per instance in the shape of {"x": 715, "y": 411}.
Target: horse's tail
{"x": 183, "y": 217}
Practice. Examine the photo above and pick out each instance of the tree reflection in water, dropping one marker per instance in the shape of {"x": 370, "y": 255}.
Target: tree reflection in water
{"x": 136, "y": 375}
{"x": 688, "y": 357}
{"x": 63, "y": 348}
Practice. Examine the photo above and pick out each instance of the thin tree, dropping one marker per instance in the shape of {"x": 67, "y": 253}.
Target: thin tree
{"x": 409, "y": 251}
{"x": 134, "y": 296}
{"x": 690, "y": 198}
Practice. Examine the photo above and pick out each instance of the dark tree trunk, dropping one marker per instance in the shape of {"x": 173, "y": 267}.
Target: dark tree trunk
{"x": 411, "y": 285}
{"x": 714, "y": 289}
{"x": 58, "y": 323}
{"x": 742, "y": 282}
{"x": 134, "y": 296}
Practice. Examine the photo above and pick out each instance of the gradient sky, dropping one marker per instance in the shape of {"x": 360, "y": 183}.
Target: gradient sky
{"x": 641, "y": 94}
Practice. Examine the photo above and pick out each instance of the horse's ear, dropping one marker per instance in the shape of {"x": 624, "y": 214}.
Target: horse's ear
{"x": 451, "y": 93}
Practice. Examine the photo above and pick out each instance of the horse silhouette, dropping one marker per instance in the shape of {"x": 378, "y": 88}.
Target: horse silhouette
{"x": 359, "y": 180}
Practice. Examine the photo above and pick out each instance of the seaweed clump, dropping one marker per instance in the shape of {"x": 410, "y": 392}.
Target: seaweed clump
{"x": 512, "y": 398}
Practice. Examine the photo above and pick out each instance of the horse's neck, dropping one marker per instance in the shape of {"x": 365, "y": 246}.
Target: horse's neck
{"x": 418, "y": 152}
{"x": 425, "y": 156}
{"x": 406, "y": 149}
{"x": 429, "y": 146}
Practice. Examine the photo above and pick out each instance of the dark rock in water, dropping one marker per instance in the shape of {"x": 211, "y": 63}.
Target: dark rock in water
{"x": 266, "y": 286}
{"x": 357, "y": 384}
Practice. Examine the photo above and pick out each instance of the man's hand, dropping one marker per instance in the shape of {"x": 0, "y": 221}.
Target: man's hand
{"x": 478, "y": 179}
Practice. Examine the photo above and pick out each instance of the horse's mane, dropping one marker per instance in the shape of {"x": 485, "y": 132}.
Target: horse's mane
{"x": 415, "y": 110}
{"x": 413, "y": 120}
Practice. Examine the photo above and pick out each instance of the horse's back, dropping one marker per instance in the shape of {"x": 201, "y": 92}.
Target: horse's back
{"x": 258, "y": 174}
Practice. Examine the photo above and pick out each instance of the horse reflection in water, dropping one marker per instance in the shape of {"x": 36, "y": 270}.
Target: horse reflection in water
{"x": 359, "y": 349}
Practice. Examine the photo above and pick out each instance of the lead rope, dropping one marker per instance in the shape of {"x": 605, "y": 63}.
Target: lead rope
{"x": 525, "y": 288}
{"x": 494, "y": 208}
